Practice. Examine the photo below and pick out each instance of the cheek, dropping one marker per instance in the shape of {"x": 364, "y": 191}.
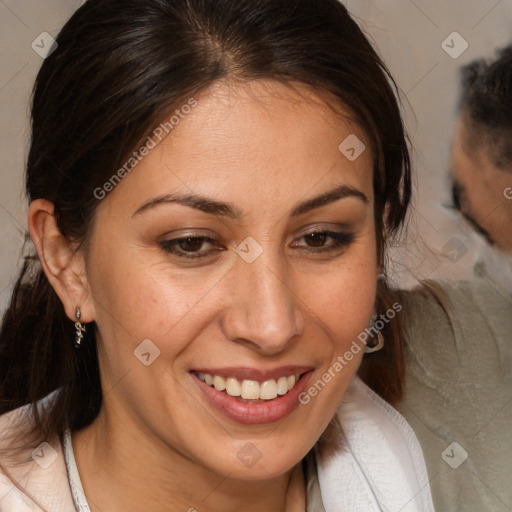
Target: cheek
{"x": 136, "y": 299}
{"x": 343, "y": 302}
{"x": 342, "y": 307}
{"x": 346, "y": 297}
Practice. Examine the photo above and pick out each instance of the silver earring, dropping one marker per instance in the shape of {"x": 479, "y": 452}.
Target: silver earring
{"x": 79, "y": 329}
{"x": 380, "y": 338}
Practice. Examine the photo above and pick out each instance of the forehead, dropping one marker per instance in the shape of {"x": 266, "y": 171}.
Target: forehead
{"x": 255, "y": 140}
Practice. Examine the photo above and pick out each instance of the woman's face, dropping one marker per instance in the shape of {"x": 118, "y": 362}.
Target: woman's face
{"x": 251, "y": 296}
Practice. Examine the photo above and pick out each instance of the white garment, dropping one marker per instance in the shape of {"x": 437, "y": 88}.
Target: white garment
{"x": 380, "y": 468}
{"x": 77, "y": 491}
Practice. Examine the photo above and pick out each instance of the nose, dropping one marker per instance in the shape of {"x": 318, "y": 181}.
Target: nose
{"x": 263, "y": 311}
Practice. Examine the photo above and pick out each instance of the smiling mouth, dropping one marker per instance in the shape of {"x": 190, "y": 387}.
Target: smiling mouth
{"x": 250, "y": 391}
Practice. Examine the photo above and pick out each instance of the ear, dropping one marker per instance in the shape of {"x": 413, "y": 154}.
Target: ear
{"x": 63, "y": 265}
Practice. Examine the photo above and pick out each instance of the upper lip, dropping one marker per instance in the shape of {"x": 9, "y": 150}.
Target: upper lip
{"x": 260, "y": 375}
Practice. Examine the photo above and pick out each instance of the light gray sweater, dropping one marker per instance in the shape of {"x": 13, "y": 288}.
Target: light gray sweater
{"x": 459, "y": 391}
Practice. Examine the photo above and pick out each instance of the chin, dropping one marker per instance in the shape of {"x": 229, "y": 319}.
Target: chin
{"x": 256, "y": 461}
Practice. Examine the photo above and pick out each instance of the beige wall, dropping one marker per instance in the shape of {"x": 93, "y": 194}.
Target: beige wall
{"x": 409, "y": 35}
{"x": 21, "y": 21}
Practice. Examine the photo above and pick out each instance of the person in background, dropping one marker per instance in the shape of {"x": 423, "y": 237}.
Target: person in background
{"x": 481, "y": 156}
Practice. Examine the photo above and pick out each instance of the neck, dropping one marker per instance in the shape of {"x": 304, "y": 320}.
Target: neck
{"x": 122, "y": 469}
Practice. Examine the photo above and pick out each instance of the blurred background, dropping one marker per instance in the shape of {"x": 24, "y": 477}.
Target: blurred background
{"x": 417, "y": 41}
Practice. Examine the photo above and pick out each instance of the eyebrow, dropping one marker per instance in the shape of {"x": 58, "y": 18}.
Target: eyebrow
{"x": 461, "y": 203}
{"x": 225, "y": 209}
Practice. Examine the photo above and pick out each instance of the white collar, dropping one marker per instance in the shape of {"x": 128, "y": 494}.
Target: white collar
{"x": 381, "y": 465}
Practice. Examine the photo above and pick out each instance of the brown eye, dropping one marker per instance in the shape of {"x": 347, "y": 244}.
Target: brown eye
{"x": 316, "y": 239}
{"x": 190, "y": 247}
{"x": 324, "y": 241}
{"x": 191, "y": 244}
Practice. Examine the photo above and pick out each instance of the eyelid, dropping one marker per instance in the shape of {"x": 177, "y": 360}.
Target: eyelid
{"x": 324, "y": 226}
{"x": 190, "y": 233}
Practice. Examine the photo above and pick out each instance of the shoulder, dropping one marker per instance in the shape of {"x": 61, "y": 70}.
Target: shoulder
{"x": 456, "y": 321}
{"x": 458, "y": 342}
{"x": 31, "y": 477}
{"x": 458, "y": 389}
{"x": 456, "y": 299}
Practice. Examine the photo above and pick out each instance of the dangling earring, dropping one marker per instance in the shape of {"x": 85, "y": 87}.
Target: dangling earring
{"x": 80, "y": 329}
{"x": 380, "y": 338}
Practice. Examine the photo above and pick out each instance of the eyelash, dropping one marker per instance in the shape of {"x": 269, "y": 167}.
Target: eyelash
{"x": 340, "y": 240}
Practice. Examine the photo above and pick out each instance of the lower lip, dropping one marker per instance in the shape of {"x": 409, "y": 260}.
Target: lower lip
{"x": 256, "y": 413}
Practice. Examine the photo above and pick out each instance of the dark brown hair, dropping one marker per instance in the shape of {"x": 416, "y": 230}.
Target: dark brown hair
{"x": 120, "y": 67}
{"x": 486, "y": 103}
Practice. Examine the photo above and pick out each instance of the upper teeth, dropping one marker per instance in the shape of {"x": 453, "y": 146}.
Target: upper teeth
{"x": 251, "y": 389}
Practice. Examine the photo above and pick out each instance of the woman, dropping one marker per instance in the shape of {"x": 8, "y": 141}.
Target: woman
{"x": 212, "y": 186}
